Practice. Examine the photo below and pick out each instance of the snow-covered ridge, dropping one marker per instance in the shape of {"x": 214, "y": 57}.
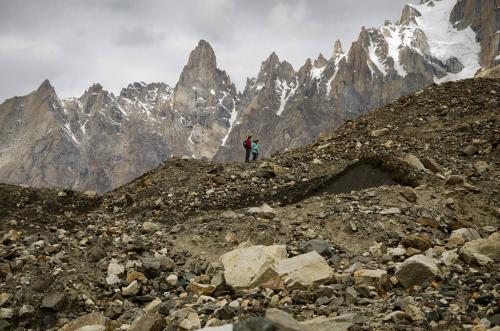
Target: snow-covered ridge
{"x": 445, "y": 41}
{"x": 429, "y": 32}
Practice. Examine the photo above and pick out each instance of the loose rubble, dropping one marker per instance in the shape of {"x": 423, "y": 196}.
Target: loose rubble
{"x": 377, "y": 236}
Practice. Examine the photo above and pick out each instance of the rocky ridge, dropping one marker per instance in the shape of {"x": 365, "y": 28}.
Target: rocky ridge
{"x": 433, "y": 42}
{"x": 389, "y": 222}
{"x": 100, "y": 141}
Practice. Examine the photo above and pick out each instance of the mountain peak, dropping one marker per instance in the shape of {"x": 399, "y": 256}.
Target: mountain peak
{"x": 320, "y": 62}
{"x": 272, "y": 58}
{"x": 45, "y": 86}
{"x": 337, "y": 48}
{"x": 408, "y": 15}
{"x": 202, "y": 56}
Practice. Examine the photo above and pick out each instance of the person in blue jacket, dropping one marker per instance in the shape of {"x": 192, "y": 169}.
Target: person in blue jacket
{"x": 255, "y": 149}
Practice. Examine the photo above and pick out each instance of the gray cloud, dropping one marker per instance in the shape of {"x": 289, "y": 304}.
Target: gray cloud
{"x": 75, "y": 43}
{"x": 139, "y": 36}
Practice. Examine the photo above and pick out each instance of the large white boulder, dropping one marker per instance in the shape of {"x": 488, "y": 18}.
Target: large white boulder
{"x": 243, "y": 267}
{"x": 304, "y": 270}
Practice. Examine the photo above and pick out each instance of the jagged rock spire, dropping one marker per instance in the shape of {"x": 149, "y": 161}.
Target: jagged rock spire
{"x": 337, "y": 48}
{"x": 320, "y": 62}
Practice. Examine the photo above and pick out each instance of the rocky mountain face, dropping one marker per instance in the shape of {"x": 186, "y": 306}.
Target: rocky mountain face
{"x": 206, "y": 99}
{"x": 100, "y": 141}
{"x": 94, "y": 142}
{"x": 388, "y": 223}
{"x": 433, "y": 42}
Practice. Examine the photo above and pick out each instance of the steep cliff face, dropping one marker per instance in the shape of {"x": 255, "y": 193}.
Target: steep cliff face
{"x": 207, "y": 100}
{"x": 32, "y": 141}
{"x": 433, "y": 42}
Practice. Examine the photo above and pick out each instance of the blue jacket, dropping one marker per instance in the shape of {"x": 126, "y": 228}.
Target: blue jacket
{"x": 255, "y": 148}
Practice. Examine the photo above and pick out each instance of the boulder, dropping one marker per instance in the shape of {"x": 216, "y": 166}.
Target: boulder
{"x": 115, "y": 269}
{"x": 5, "y": 298}
{"x": 416, "y": 241}
{"x": 192, "y": 322}
{"x": 375, "y": 278}
{"x": 6, "y": 313}
{"x": 482, "y": 251}
{"x": 148, "y": 227}
{"x": 319, "y": 245}
{"x": 414, "y": 161}
{"x": 303, "y": 271}
{"x": 417, "y": 270}
{"x": 409, "y": 194}
{"x": 464, "y": 235}
{"x": 454, "y": 180}
{"x": 469, "y": 150}
{"x": 481, "y": 167}
{"x": 132, "y": 289}
{"x": 244, "y": 266}
{"x": 263, "y": 211}
{"x": 54, "y": 301}
{"x": 284, "y": 322}
{"x": 254, "y": 324}
{"x": 201, "y": 289}
{"x": 431, "y": 164}
{"x": 94, "y": 319}
{"x": 219, "y": 180}
{"x": 390, "y": 211}
{"x": 148, "y": 322}
{"x": 379, "y": 132}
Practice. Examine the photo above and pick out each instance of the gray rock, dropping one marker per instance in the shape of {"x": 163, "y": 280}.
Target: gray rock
{"x": 151, "y": 267}
{"x": 254, "y": 324}
{"x": 409, "y": 194}
{"x": 469, "y": 150}
{"x": 319, "y": 245}
{"x": 54, "y": 301}
{"x": 482, "y": 251}
{"x": 149, "y": 322}
{"x": 431, "y": 164}
{"x": 379, "y": 132}
{"x": 414, "y": 161}
{"x": 416, "y": 270}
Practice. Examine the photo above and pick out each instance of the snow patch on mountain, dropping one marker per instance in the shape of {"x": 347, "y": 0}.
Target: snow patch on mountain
{"x": 317, "y": 72}
{"x": 446, "y": 42}
{"x": 285, "y": 91}
{"x": 372, "y": 51}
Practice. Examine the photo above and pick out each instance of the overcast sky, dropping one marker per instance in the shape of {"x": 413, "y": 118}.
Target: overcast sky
{"x": 75, "y": 43}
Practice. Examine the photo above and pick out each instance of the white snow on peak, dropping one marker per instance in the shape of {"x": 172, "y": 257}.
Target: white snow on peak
{"x": 67, "y": 128}
{"x": 329, "y": 83}
{"x": 285, "y": 92}
{"x": 317, "y": 72}
{"x": 445, "y": 41}
{"x": 372, "y": 52}
{"x": 396, "y": 37}
{"x": 212, "y": 92}
{"x": 232, "y": 119}
{"x": 260, "y": 86}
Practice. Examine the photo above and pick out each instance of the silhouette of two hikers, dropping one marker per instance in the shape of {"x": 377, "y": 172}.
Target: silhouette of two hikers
{"x": 251, "y": 149}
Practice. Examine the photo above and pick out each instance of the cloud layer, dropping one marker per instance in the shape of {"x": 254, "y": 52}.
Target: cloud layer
{"x": 115, "y": 42}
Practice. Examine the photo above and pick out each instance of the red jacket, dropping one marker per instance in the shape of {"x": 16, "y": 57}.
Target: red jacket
{"x": 248, "y": 144}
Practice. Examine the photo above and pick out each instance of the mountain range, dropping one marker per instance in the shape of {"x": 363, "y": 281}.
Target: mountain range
{"x": 99, "y": 141}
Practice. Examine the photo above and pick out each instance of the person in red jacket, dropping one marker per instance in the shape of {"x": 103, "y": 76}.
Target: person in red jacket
{"x": 248, "y": 148}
